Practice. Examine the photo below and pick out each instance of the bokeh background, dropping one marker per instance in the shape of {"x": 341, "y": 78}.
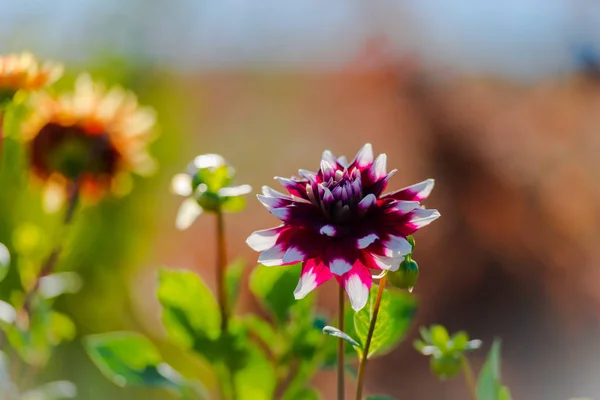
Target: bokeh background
{"x": 498, "y": 101}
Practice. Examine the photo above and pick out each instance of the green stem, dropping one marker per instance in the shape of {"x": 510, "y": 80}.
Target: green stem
{"x": 48, "y": 266}
{"x": 221, "y": 266}
{"x": 469, "y": 377}
{"x": 362, "y": 366}
{"x": 340, "y": 363}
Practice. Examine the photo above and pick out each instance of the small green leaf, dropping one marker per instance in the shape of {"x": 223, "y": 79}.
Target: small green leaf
{"x": 488, "y": 385}
{"x": 4, "y": 260}
{"x": 189, "y": 308}
{"x": 130, "y": 359}
{"x": 460, "y": 341}
{"x": 233, "y": 280}
{"x": 330, "y": 330}
{"x": 380, "y": 397}
{"x": 396, "y": 313}
{"x": 52, "y": 391}
{"x": 439, "y": 336}
{"x": 274, "y": 287}
{"x": 260, "y": 329}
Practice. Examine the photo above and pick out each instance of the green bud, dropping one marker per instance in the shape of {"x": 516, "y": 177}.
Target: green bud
{"x": 212, "y": 171}
{"x": 406, "y": 276}
{"x": 447, "y": 365}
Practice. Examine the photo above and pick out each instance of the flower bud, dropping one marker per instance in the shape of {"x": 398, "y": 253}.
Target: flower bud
{"x": 406, "y": 276}
{"x": 447, "y": 365}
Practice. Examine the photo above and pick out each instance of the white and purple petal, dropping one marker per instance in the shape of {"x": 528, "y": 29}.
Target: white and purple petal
{"x": 421, "y": 217}
{"x": 357, "y": 283}
{"x": 312, "y": 276}
{"x": 364, "y": 157}
{"x": 416, "y": 192}
{"x": 264, "y": 239}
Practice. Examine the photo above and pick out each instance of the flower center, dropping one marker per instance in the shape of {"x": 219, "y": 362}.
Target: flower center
{"x": 347, "y": 192}
{"x": 71, "y": 151}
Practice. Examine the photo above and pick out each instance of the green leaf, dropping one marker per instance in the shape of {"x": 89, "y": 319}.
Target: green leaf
{"x": 260, "y": 329}
{"x": 504, "y": 394}
{"x": 330, "y": 330}
{"x": 190, "y": 311}
{"x": 130, "y": 359}
{"x": 439, "y": 336}
{"x": 234, "y": 204}
{"x": 274, "y": 287}
{"x": 52, "y": 391}
{"x": 380, "y": 397}
{"x": 4, "y": 260}
{"x": 488, "y": 385}
{"x": 396, "y": 313}
{"x": 233, "y": 280}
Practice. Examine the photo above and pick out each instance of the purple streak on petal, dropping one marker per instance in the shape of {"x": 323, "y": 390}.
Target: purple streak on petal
{"x": 378, "y": 261}
{"x": 327, "y": 170}
{"x": 421, "y": 217}
{"x": 416, "y": 192}
{"x": 329, "y": 157}
{"x": 295, "y": 188}
{"x": 264, "y": 239}
{"x": 273, "y": 202}
{"x": 396, "y": 246}
{"x": 314, "y": 274}
{"x": 357, "y": 283}
{"x": 378, "y": 187}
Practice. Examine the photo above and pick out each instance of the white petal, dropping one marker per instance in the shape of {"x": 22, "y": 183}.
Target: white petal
{"x": 329, "y": 157}
{"x": 367, "y": 202}
{"x": 366, "y": 241}
{"x": 357, "y": 291}
{"x": 293, "y": 254}
{"x": 343, "y": 161}
{"x": 189, "y": 210}
{"x": 397, "y": 246}
{"x": 267, "y": 191}
{"x": 264, "y": 239}
{"x": 306, "y": 284}
{"x": 364, "y": 156}
{"x": 328, "y": 230}
{"x": 387, "y": 263}
{"x": 181, "y": 184}
{"x": 379, "y": 168}
{"x": 235, "y": 190}
{"x": 422, "y": 189}
{"x": 280, "y": 213}
{"x": 339, "y": 266}
{"x": 422, "y": 217}
{"x": 327, "y": 170}
{"x": 272, "y": 256}
{"x": 270, "y": 202}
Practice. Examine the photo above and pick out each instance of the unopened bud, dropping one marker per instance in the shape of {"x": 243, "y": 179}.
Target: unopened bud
{"x": 406, "y": 276}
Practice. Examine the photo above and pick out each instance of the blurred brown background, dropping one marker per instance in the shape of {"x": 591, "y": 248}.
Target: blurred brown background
{"x": 499, "y": 103}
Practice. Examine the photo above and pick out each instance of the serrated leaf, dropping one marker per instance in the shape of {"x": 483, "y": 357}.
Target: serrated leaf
{"x": 52, "y": 391}
{"x": 4, "y": 260}
{"x": 130, "y": 359}
{"x": 189, "y": 308}
{"x": 330, "y": 330}
{"x": 395, "y": 316}
{"x": 233, "y": 280}
{"x": 274, "y": 288}
{"x": 488, "y": 385}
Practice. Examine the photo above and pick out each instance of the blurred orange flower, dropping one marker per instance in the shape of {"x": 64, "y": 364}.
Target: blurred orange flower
{"x": 23, "y": 71}
{"x": 93, "y": 135}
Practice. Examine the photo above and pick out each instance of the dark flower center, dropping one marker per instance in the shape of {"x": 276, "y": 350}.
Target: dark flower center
{"x": 347, "y": 193}
{"x": 71, "y": 151}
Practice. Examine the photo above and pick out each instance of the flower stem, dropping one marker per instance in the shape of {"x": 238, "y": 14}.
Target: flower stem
{"x": 48, "y": 266}
{"x": 469, "y": 377}
{"x": 221, "y": 265}
{"x": 362, "y": 366}
{"x": 340, "y": 363}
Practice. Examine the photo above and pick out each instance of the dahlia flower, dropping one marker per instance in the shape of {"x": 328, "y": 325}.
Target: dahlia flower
{"x": 337, "y": 223}
{"x": 23, "y": 72}
{"x": 94, "y": 134}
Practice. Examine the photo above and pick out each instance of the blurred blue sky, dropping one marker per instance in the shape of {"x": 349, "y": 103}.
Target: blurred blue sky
{"x": 527, "y": 38}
